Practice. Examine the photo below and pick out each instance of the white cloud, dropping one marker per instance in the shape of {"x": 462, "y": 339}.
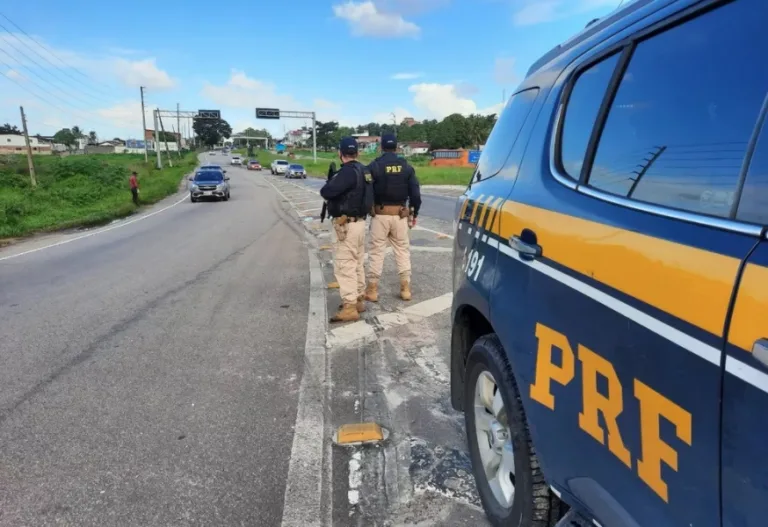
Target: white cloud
{"x": 440, "y": 100}
{"x": 143, "y": 73}
{"x": 62, "y": 88}
{"x": 541, "y": 11}
{"x": 365, "y": 19}
{"x": 406, "y": 76}
{"x": 241, "y": 91}
{"x": 504, "y": 71}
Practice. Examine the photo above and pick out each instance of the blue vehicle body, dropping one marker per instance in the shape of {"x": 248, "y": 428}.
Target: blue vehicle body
{"x": 630, "y": 329}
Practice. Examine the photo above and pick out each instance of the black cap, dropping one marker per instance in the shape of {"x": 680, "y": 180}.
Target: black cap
{"x": 389, "y": 141}
{"x": 348, "y": 146}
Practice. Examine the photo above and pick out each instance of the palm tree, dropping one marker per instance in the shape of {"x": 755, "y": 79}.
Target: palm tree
{"x": 92, "y": 137}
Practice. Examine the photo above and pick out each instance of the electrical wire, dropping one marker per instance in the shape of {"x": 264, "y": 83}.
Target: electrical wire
{"x": 91, "y": 82}
{"x": 42, "y": 99}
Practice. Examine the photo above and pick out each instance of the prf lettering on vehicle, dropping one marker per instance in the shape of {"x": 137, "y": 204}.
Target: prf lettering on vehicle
{"x": 653, "y": 406}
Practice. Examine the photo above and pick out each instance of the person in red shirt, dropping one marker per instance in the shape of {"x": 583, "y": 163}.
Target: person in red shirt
{"x": 134, "y": 182}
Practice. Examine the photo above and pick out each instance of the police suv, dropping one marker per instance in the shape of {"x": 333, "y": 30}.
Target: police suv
{"x": 610, "y": 315}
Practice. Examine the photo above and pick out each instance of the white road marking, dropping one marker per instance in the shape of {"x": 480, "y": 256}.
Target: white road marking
{"x": 419, "y": 248}
{"x": 302, "y": 505}
{"x": 362, "y": 330}
{"x": 94, "y": 233}
{"x": 305, "y": 211}
{"x": 310, "y": 201}
{"x": 420, "y": 228}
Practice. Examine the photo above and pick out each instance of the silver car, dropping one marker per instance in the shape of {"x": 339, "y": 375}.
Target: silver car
{"x": 296, "y": 171}
{"x": 209, "y": 183}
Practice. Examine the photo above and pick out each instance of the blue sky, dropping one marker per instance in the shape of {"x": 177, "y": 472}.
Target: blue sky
{"x": 351, "y": 61}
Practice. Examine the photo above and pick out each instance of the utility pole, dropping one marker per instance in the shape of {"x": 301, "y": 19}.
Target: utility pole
{"x": 162, "y": 129}
{"x": 32, "y": 177}
{"x": 157, "y": 140}
{"x": 314, "y": 138}
{"x": 144, "y": 126}
{"x": 178, "y": 127}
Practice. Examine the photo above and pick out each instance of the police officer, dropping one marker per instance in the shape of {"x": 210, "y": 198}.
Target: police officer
{"x": 345, "y": 193}
{"x": 395, "y": 188}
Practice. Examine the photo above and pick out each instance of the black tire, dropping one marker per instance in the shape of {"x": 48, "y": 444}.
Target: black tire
{"x": 534, "y": 504}
{"x": 193, "y": 200}
{"x": 303, "y": 177}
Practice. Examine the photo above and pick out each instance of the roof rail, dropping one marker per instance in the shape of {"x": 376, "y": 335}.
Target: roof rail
{"x": 591, "y": 28}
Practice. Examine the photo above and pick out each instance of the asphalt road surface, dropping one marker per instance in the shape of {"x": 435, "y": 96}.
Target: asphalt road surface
{"x": 176, "y": 369}
{"x": 150, "y": 372}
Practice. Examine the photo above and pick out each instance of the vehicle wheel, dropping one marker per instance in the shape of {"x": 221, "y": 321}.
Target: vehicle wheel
{"x": 303, "y": 177}
{"x": 193, "y": 200}
{"x": 509, "y": 480}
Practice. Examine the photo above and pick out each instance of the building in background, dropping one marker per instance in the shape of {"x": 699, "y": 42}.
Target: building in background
{"x": 414, "y": 148}
{"x": 15, "y": 144}
{"x": 409, "y": 121}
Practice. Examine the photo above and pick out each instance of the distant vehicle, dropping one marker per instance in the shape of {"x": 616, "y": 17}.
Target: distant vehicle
{"x": 209, "y": 183}
{"x": 296, "y": 171}
{"x": 236, "y": 160}
{"x": 254, "y": 164}
{"x": 279, "y": 166}
{"x": 212, "y": 153}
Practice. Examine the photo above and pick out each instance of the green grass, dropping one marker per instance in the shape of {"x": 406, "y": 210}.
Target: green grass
{"x": 79, "y": 190}
{"x": 427, "y": 175}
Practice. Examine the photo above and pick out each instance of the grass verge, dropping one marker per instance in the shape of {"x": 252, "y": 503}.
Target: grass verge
{"x": 427, "y": 175}
{"x": 79, "y": 191}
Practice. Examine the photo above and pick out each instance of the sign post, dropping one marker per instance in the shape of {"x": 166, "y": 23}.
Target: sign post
{"x": 275, "y": 113}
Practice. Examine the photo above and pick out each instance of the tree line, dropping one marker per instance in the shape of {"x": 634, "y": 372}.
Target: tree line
{"x": 455, "y": 131}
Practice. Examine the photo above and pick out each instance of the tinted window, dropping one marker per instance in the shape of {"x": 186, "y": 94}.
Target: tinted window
{"x": 505, "y": 133}
{"x": 282, "y": 162}
{"x": 684, "y": 112}
{"x": 580, "y": 115}
{"x": 297, "y": 167}
{"x": 209, "y": 175}
{"x": 753, "y": 206}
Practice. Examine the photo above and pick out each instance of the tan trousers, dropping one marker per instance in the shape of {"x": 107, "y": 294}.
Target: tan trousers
{"x": 392, "y": 229}
{"x": 348, "y": 265}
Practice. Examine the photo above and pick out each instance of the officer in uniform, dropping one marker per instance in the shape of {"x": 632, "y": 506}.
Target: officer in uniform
{"x": 345, "y": 194}
{"x": 395, "y": 189}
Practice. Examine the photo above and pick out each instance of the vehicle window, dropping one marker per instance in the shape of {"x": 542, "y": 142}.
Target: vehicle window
{"x": 753, "y": 205}
{"x": 282, "y": 162}
{"x": 581, "y": 113}
{"x": 505, "y": 133}
{"x": 684, "y": 112}
{"x": 209, "y": 175}
{"x": 297, "y": 167}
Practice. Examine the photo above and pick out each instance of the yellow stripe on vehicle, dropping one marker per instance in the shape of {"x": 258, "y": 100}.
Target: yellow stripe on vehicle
{"x": 691, "y": 284}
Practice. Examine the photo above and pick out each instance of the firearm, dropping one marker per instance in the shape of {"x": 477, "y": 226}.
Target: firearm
{"x": 331, "y": 172}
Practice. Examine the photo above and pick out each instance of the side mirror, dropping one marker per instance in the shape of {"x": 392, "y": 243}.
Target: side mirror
{"x": 189, "y": 178}
{"x": 225, "y": 171}
{"x": 226, "y": 178}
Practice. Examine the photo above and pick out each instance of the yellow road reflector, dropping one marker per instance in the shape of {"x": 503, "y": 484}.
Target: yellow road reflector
{"x": 359, "y": 434}
{"x": 333, "y": 285}
{"x": 325, "y": 247}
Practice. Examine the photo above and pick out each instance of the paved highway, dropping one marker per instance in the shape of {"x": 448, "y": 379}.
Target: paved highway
{"x": 150, "y": 372}
{"x": 155, "y": 370}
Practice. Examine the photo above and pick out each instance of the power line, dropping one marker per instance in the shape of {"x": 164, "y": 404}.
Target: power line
{"x": 36, "y": 63}
{"x": 69, "y": 95}
{"x": 27, "y": 90}
{"x": 91, "y": 80}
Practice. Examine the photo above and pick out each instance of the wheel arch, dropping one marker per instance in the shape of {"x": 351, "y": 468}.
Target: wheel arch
{"x": 469, "y": 324}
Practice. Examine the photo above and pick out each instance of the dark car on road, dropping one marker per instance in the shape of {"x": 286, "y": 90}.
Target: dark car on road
{"x": 209, "y": 183}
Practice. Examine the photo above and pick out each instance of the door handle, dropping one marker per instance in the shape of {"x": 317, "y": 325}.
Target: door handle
{"x": 527, "y": 250}
{"x": 760, "y": 351}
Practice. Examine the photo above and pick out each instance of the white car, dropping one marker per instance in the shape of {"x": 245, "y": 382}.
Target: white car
{"x": 279, "y": 166}
{"x": 236, "y": 160}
